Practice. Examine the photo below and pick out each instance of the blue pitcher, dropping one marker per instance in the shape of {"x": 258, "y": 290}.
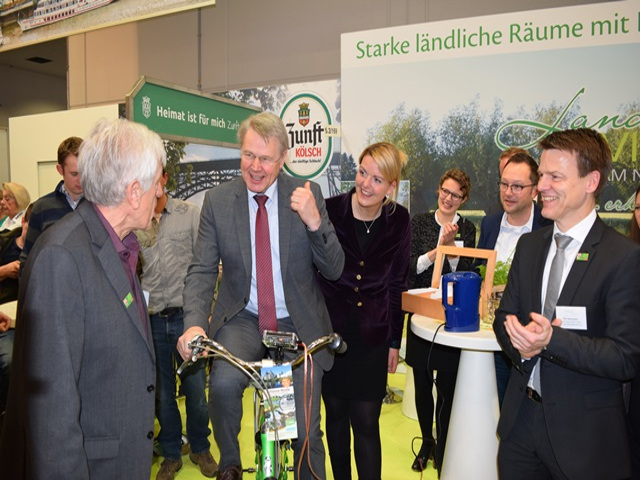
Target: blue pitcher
{"x": 462, "y": 314}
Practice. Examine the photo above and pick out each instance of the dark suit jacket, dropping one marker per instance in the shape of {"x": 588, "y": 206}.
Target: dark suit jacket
{"x": 224, "y": 234}
{"x": 373, "y": 280}
{"x": 81, "y": 400}
{"x": 46, "y": 211}
{"x": 581, "y": 370}
{"x": 490, "y": 227}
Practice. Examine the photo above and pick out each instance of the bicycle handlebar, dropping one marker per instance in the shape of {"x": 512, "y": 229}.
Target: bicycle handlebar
{"x": 203, "y": 347}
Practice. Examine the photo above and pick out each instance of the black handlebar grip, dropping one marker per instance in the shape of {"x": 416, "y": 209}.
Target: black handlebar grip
{"x": 338, "y": 345}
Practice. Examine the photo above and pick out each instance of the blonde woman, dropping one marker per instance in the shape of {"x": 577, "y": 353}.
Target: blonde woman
{"x": 365, "y": 308}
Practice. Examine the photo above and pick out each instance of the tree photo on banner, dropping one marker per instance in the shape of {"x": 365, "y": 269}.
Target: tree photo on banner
{"x": 456, "y": 93}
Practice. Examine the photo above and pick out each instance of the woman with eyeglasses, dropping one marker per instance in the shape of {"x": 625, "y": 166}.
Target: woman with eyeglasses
{"x": 15, "y": 200}
{"x": 365, "y": 306}
{"x": 442, "y": 227}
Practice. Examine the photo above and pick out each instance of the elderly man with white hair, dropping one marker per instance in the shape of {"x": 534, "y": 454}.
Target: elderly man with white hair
{"x": 81, "y": 398}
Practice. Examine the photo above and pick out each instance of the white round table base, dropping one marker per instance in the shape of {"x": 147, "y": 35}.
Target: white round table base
{"x": 472, "y": 443}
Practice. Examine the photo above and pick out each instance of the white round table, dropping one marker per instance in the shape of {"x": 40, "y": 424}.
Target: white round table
{"x": 472, "y": 443}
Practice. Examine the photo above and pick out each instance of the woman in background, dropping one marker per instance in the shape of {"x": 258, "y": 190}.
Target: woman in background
{"x": 442, "y": 227}
{"x": 365, "y": 308}
{"x": 11, "y": 244}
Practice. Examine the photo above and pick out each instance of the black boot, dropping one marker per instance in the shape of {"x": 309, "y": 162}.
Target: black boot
{"x": 420, "y": 463}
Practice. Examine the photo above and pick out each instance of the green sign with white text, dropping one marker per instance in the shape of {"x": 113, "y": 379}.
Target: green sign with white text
{"x": 184, "y": 115}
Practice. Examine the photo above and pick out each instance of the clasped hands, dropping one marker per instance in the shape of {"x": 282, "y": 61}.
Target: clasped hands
{"x": 532, "y": 338}
{"x": 449, "y": 232}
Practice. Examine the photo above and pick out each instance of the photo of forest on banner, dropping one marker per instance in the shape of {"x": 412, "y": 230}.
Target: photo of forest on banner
{"x": 517, "y": 78}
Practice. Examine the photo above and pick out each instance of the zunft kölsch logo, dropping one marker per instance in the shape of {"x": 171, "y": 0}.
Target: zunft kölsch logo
{"x": 305, "y": 117}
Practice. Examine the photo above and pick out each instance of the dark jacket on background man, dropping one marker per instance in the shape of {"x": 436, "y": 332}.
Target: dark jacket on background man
{"x": 46, "y": 211}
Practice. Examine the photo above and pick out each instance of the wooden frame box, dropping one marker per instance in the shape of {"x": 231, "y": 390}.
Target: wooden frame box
{"x": 423, "y": 304}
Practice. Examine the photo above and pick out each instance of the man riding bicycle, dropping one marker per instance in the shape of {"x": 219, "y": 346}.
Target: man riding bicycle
{"x": 300, "y": 241}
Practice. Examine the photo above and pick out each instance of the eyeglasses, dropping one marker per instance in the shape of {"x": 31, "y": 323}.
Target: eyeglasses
{"x": 444, "y": 193}
{"x": 265, "y": 161}
{"x": 8, "y": 198}
{"x": 514, "y": 187}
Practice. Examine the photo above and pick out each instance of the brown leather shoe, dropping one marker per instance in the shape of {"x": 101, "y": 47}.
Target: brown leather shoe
{"x": 169, "y": 468}
{"x": 230, "y": 473}
{"x": 208, "y": 466}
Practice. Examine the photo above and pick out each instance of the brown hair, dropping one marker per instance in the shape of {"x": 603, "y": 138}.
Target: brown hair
{"x": 589, "y": 146}
{"x": 27, "y": 212}
{"x": 525, "y": 157}
{"x": 511, "y": 151}
{"x": 460, "y": 177}
{"x": 69, "y": 146}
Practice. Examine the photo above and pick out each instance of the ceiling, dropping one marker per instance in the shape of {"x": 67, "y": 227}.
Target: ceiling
{"x": 54, "y": 50}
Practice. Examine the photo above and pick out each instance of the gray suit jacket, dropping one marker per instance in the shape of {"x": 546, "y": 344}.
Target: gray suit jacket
{"x": 224, "y": 234}
{"x": 582, "y": 370}
{"x": 81, "y": 401}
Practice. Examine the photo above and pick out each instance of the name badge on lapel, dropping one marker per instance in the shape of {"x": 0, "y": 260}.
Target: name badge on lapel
{"x": 573, "y": 318}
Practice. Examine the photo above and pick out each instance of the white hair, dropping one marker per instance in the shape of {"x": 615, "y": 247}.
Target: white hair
{"x": 116, "y": 153}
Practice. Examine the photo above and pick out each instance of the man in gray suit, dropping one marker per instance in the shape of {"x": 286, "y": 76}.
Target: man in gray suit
{"x": 81, "y": 399}
{"x": 302, "y": 242}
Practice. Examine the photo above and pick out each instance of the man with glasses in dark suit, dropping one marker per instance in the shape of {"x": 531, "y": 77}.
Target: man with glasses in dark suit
{"x": 501, "y": 231}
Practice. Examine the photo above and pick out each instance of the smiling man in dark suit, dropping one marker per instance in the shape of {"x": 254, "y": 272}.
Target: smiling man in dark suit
{"x": 302, "y": 242}
{"x": 500, "y": 231}
{"x": 81, "y": 398}
{"x": 568, "y": 321}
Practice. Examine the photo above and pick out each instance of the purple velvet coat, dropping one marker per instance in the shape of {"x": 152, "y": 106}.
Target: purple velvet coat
{"x": 372, "y": 281}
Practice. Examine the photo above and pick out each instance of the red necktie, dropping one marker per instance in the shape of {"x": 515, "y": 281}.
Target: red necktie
{"x": 267, "y": 319}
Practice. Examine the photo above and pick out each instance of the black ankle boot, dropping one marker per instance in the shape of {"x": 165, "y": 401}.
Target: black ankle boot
{"x": 420, "y": 462}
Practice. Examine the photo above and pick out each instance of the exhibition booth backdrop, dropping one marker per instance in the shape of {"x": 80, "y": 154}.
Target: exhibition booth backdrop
{"x": 450, "y": 94}
{"x": 455, "y": 93}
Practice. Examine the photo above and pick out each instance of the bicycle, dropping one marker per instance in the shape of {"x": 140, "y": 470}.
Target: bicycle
{"x": 271, "y": 452}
